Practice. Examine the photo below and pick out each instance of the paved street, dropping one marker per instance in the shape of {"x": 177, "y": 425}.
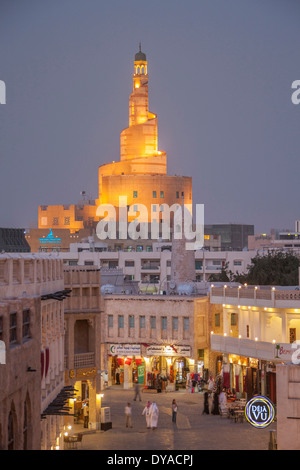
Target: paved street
{"x": 193, "y": 431}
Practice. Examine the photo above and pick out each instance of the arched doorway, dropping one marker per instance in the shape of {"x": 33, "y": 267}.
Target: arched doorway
{"x": 180, "y": 370}
{"x": 158, "y": 373}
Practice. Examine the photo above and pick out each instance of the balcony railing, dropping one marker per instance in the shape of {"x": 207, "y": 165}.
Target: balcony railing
{"x": 287, "y": 295}
{"x": 84, "y": 360}
{"x": 213, "y": 268}
{"x": 243, "y": 347}
{"x": 150, "y": 266}
{"x": 263, "y": 350}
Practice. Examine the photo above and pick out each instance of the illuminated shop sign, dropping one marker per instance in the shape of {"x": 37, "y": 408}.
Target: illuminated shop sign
{"x": 50, "y": 238}
{"x": 260, "y": 412}
{"x": 125, "y": 349}
{"x": 160, "y": 350}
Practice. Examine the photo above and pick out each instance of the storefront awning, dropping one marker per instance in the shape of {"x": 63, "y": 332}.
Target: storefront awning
{"x": 58, "y": 405}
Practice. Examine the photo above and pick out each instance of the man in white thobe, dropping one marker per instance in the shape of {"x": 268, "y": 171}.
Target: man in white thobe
{"x": 154, "y": 412}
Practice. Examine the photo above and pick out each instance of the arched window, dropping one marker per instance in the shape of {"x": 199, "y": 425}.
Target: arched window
{"x": 142, "y": 69}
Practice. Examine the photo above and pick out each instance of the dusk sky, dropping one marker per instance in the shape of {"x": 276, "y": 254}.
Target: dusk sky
{"x": 220, "y": 76}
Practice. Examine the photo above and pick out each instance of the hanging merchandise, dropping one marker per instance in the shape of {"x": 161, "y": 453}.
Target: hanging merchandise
{"x": 138, "y": 362}
{"x": 128, "y": 361}
{"x": 226, "y": 375}
{"x": 237, "y": 377}
{"x": 245, "y": 383}
{"x": 120, "y": 361}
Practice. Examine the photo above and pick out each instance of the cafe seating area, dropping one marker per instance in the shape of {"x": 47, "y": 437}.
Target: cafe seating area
{"x": 71, "y": 442}
{"x": 235, "y": 411}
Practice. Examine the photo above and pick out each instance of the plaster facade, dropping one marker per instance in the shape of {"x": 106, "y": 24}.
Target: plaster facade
{"x": 288, "y": 406}
{"x": 31, "y": 322}
{"x": 161, "y": 329}
{"x": 83, "y": 318}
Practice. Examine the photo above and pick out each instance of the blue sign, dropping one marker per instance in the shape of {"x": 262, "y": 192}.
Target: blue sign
{"x": 50, "y": 238}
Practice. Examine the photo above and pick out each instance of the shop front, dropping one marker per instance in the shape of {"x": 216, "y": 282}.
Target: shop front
{"x": 245, "y": 377}
{"x": 168, "y": 366}
{"x": 152, "y": 366}
{"x": 233, "y": 375}
{"x": 125, "y": 365}
{"x": 199, "y": 369}
{"x": 270, "y": 380}
{"x": 85, "y": 405}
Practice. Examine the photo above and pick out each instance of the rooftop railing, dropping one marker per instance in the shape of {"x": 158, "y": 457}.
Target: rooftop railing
{"x": 257, "y": 295}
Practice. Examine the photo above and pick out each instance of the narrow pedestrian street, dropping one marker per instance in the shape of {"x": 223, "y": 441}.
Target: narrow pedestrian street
{"x": 192, "y": 431}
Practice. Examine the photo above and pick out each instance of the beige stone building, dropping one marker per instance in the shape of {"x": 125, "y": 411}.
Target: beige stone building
{"x": 253, "y": 328}
{"x": 286, "y": 241}
{"x": 139, "y": 176}
{"x": 83, "y": 341}
{"x": 145, "y": 336}
{"x": 31, "y": 329}
{"x": 73, "y": 217}
{"x": 54, "y": 240}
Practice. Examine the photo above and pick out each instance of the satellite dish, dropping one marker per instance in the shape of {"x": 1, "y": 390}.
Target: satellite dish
{"x": 172, "y": 285}
{"x": 108, "y": 289}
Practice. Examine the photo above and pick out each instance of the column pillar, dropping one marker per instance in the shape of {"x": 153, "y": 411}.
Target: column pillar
{"x": 69, "y": 331}
{"x": 127, "y": 377}
{"x": 95, "y": 403}
{"x": 284, "y": 329}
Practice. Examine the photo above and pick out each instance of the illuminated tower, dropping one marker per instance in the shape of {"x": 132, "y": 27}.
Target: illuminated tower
{"x": 141, "y": 173}
{"x": 140, "y": 138}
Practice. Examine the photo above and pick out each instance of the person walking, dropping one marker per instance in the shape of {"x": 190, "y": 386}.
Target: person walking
{"x": 215, "y": 407}
{"x": 118, "y": 376}
{"x": 137, "y": 391}
{"x": 154, "y": 412}
{"x": 174, "y": 411}
{"x": 146, "y": 412}
{"x": 211, "y": 385}
{"x": 86, "y": 415}
{"x": 223, "y": 401}
{"x": 206, "y": 404}
{"x": 128, "y": 416}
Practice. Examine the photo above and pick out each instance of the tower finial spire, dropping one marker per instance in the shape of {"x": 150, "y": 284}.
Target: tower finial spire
{"x": 140, "y": 46}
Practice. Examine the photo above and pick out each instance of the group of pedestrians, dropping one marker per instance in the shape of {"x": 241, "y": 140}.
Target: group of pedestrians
{"x": 151, "y": 411}
{"x": 219, "y": 399}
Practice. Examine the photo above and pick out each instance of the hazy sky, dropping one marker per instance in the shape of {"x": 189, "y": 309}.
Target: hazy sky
{"x": 220, "y": 75}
